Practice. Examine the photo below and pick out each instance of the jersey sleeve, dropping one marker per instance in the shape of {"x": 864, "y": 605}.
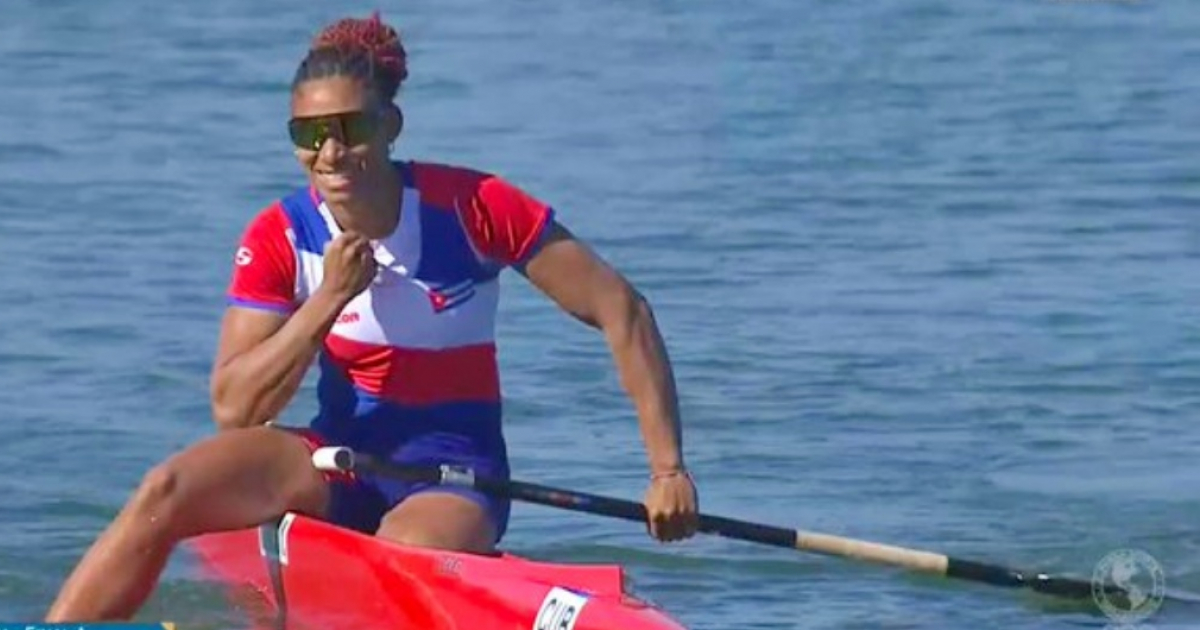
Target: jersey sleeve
{"x": 264, "y": 265}
{"x": 505, "y": 223}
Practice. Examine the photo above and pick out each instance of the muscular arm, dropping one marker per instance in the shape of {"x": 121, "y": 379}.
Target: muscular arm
{"x": 582, "y": 284}
{"x": 262, "y": 357}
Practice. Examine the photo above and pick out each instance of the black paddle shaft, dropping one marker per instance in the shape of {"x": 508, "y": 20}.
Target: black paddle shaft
{"x": 968, "y": 570}
{"x": 571, "y": 500}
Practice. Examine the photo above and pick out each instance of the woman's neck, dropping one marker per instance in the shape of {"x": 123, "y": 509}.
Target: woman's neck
{"x": 377, "y": 213}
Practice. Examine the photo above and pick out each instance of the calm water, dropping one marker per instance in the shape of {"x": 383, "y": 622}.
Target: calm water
{"x": 926, "y": 270}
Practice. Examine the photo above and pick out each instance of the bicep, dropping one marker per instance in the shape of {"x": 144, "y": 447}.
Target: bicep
{"x": 567, "y": 271}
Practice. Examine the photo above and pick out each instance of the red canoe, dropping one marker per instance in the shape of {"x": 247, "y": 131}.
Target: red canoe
{"x": 332, "y": 578}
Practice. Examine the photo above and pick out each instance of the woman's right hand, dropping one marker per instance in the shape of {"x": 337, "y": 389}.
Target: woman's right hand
{"x": 349, "y": 266}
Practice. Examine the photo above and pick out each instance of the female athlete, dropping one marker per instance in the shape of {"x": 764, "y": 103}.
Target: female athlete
{"x": 386, "y": 273}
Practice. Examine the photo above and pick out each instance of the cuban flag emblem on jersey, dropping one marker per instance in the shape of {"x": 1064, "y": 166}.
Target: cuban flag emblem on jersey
{"x": 446, "y": 297}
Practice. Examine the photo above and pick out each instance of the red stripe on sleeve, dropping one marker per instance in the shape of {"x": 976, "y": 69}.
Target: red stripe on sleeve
{"x": 264, "y": 266}
{"x": 505, "y": 222}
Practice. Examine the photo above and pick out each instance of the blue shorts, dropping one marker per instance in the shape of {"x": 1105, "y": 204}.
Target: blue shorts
{"x": 360, "y": 501}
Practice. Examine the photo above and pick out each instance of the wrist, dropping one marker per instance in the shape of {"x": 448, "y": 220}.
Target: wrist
{"x": 332, "y": 298}
{"x": 665, "y": 461}
{"x": 679, "y": 470}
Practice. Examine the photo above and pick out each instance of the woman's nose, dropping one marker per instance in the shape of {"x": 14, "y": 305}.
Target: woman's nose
{"x": 331, "y": 150}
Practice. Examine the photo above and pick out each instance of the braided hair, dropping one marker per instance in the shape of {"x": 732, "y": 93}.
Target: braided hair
{"x": 364, "y": 49}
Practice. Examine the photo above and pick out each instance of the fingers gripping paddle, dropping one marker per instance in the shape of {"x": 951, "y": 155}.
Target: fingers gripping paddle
{"x": 347, "y": 460}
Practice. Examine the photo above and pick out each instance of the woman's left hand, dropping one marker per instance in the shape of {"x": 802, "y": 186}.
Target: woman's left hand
{"x": 672, "y": 506}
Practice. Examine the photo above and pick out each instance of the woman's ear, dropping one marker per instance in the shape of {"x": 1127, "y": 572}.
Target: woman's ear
{"x": 394, "y": 123}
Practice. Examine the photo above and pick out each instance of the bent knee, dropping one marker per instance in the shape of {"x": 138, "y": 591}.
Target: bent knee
{"x": 416, "y": 538}
{"x": 418, "y": 531}
{"x": 159, "y": 486}
{"x": 399, "y": 529}
{"x": 157, "y": 503}
{"x": 412, "y": 537}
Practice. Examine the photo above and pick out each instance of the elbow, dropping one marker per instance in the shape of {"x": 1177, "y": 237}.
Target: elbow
{"x": 640, "y": 311}
{"x": 628, "y": 313}
{"x": 227, "y": 416}
{"x": 226, "y": 413}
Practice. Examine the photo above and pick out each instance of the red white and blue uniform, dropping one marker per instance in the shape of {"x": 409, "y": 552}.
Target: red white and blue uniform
{"x": 409, "y": 369}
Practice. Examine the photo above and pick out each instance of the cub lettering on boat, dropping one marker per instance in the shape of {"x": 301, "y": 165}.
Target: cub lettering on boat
{"x": 559, "y": 610}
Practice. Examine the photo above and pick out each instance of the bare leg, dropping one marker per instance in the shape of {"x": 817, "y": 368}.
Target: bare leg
{"x": 440, "y": 520}
{"x": 236, "y": 479}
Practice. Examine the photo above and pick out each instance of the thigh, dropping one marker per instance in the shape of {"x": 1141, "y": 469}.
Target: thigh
{"x": 242, "y": 478}
{"x": 407, "y": 503}
{"x": 441, "y": 519}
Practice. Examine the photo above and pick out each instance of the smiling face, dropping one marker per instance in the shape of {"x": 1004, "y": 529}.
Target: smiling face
{"x": 341, "y": 132}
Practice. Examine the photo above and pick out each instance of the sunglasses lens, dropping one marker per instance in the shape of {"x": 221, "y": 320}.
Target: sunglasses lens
{"x": 353, "y": 129}
{"x": 309, "y": 133}
{"x": 358, "y": 128}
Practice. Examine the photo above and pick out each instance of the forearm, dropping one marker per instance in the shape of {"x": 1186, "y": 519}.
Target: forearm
{"x": 255, "y": 386}
{"x": 645, "y": 372}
